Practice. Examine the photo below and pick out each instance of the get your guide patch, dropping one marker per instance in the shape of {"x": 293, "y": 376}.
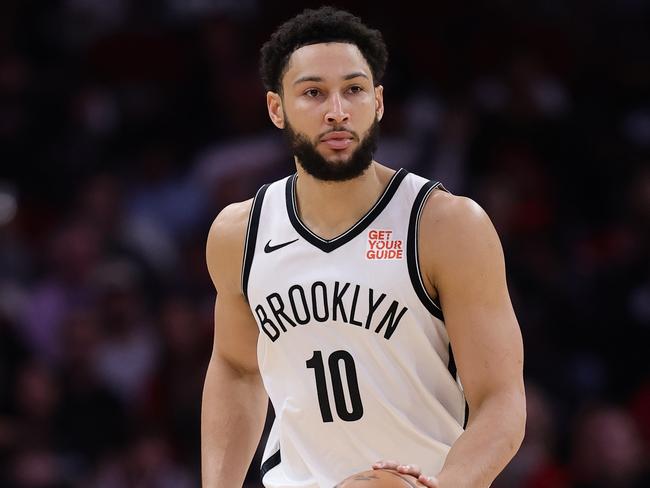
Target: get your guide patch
{"x": 381, "y": 245}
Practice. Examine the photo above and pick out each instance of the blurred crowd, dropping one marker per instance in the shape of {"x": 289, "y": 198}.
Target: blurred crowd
{"x": 126, "y": 126}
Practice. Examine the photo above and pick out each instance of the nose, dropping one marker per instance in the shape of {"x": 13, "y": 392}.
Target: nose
{"x": 336, "y": 113}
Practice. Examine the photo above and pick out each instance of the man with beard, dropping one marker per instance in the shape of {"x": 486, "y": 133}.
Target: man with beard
{"x": 370, "y": 305}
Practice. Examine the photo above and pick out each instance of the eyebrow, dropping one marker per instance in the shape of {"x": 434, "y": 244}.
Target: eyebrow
{"x": 318, "y": 79}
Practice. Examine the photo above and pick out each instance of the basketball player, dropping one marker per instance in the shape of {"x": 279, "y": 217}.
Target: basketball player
{"x": 369, "y": 304}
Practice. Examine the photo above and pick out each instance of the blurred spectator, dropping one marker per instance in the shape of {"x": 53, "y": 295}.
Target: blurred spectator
{"x": 36, "y": 460}
{"x": 175, "y": 393}
{"x": 92, "y": 418}
{"x": 536, "y": 465}
{"x": 72, "y": 254}
{"x": 127, "y": 354}
{"x": 36, "y": 467}
{"x": 37, "y": 405}
{"x": 148, "y": 463}
{"x": 607, "y": 451}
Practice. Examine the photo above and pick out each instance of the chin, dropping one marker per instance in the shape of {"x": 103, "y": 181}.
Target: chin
{"x": 338, "y": 160}
{"x": 339, "y": 156}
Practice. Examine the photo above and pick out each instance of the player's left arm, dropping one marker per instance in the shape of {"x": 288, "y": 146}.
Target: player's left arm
{"x": 463, "y": 263}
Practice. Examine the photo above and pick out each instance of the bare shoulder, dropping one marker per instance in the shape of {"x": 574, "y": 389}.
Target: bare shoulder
{"x": 230, "y": 223}
{"x": 456, "y": 233}
{"x": 225, "y": 244}
{"x": 446, "y": 212}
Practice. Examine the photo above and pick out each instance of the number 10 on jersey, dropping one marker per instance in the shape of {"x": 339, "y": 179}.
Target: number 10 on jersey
{"x": 334, "y": 363}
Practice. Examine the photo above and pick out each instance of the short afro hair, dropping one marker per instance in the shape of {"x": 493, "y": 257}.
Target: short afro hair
{"x": 326, "y": 24}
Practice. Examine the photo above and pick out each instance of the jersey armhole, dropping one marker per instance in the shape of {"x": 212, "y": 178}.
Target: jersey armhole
{"x": 268, "y": 464}
{"x": 251, "y": 238}
{"x": 412, "y": 255}
{"x": 415, "y": 274}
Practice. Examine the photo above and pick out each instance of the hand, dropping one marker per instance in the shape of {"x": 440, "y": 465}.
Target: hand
{"x": 411, "y": 469}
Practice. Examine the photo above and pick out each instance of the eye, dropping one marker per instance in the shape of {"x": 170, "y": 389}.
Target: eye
{"x": 312, "y": 93}
{"x": 355, "y": 89}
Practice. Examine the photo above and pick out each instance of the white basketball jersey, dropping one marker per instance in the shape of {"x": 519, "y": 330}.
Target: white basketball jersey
{"x": 352, "y": 350}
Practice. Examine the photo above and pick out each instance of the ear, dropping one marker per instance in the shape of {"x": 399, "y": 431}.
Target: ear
{"x": 274, "y": 106}
{"x": 379, "y": 101}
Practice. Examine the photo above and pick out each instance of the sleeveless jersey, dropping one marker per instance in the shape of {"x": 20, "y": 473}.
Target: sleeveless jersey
{"x": 352, "y": 350}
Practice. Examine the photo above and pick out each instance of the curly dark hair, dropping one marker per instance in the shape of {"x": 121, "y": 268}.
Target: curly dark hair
{"x": 327, "y": 24}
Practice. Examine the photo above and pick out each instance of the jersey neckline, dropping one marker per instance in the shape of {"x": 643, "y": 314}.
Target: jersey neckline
{"x": 329, "y": 245}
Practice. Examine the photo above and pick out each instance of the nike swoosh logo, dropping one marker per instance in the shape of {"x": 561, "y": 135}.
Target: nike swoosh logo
{"x": 269, "y": 248}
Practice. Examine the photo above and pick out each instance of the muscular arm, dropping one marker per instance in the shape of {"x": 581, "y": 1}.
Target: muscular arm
{"x": 234, "y": 400}
{"x": 464, "y": 265}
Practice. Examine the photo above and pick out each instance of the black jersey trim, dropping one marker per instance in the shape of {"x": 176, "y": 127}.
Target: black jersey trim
{"x": 251, "y": 238}
{"x": 270, "y": 463}
{"x": 453, "y": 371}
{"x": 433, "y": 306}
{"x": 329, "y": 245}
{"x": 466, "y": 415}
{"x": 452, "y": 364}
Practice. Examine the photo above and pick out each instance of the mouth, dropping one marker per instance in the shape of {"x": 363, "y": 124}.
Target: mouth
{"x": 338, "y": 140}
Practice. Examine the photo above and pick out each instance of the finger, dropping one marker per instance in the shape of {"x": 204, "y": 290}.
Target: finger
{"x": 385, "y": 464}
{"x": 412, "y": 469}
{"x": 428, "y": 481}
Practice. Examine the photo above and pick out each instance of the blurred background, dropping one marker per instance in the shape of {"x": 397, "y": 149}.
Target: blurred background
{"x": 126, "y": 126}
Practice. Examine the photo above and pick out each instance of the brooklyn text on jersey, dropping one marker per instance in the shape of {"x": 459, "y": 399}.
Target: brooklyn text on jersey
{"x": 333, "y": 303}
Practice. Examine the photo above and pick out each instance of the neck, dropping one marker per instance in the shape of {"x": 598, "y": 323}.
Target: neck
{"x": 329, "y": 208}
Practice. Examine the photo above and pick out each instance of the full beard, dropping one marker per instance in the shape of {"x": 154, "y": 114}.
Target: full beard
{"x": 319, "y": 167}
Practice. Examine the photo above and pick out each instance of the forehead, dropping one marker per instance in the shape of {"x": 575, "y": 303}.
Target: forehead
{"x": 329, "y": 60}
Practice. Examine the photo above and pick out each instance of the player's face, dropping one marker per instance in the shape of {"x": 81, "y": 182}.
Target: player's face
{"x": 330, "y": 110}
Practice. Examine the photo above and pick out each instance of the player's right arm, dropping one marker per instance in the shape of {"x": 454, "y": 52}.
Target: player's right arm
{"x": 234, "y": 402}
